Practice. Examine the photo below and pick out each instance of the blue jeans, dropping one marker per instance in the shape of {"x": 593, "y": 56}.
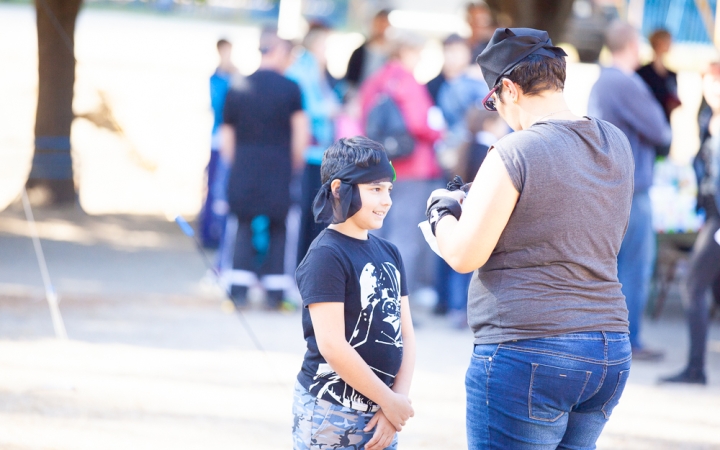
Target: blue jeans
{"x": 212, "y": 222}
{"x": 635, "y": 262}
{"x": 548, "y": 393}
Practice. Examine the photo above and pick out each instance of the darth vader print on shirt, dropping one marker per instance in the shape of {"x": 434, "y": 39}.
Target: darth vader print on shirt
{"x": 377, "y": 335}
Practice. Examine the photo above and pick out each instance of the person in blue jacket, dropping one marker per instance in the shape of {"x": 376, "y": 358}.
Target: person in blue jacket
{"x": 321, "y": 104}
{"x": 212, "y": 216}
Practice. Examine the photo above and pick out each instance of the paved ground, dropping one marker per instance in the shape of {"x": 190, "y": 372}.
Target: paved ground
{"x": 154, "y": 362}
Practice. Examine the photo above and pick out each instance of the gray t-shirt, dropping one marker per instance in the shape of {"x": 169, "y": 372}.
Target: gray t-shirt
{"x": 554, "y": 269}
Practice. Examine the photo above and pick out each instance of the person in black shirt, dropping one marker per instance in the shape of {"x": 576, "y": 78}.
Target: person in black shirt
{"x": 661, "y": 80}
{"x": 371, "y": 55}
{"x": 265, "y": 133}
{"x": 357, "y": 370}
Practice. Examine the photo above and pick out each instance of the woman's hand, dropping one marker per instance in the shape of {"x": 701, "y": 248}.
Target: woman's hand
{"x": 458, "y": 195}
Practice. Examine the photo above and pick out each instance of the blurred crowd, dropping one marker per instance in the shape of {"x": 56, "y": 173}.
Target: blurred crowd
{"x": 272, "y": 127}
{"x": 293, "y": 103}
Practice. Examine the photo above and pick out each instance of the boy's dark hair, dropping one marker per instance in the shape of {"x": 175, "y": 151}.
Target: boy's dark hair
{"x": 536, "y": 73}
{"x": 357, "y": 150}
{"x": 222, "y": 43}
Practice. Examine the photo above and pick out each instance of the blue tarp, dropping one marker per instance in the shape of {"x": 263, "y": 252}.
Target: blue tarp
{"x": 680, "y": 17}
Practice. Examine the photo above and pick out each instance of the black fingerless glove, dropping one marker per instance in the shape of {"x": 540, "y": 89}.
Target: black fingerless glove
{"x": 457, "y": 184}
{"x": 441, "y": 207}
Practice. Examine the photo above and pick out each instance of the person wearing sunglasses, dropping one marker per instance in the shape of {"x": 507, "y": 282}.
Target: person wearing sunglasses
{"x": 541, "y": 227}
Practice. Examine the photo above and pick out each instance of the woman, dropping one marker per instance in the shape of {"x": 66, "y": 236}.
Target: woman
{"x": 541, "y": 225}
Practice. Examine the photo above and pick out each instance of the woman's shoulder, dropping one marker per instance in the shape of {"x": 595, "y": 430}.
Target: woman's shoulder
{"x": 520, "y": 141}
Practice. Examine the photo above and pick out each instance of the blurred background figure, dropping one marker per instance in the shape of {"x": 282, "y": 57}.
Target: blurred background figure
{"x": 265, "y": 134}
{"x": 661, "y": 80}
{"x": 455, "y": 90}
{"x": 482, "y": 26}
{"x": 349, "y": 121}
{"x": 622, "y": 98}
{"x": 703, "y": 272}
{"x": 214, "y": 210}
{"x": 372, "y": 54}
{"x": 486, "y": 128}
{"x": 417, "y": 174}
{"x": 321, "y": 104}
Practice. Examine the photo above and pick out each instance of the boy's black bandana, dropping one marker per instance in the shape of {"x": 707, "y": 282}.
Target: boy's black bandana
{"x": 349, "y": 201}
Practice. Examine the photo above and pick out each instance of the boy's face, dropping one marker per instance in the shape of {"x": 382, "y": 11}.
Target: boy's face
{"x": 376, "y": 203}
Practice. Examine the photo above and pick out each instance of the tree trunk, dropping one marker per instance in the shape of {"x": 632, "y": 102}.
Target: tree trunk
{"x": 548, "y": 15}
{"x": 52, "y": 163}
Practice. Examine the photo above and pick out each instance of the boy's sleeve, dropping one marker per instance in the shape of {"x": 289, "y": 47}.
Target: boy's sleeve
{"x": 321, "y": 277}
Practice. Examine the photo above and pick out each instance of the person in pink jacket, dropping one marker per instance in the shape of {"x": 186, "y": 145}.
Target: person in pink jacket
{"x": 417, "y": 174}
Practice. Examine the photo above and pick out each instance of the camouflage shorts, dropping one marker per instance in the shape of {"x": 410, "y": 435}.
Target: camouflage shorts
{"x": 321, "y": 425}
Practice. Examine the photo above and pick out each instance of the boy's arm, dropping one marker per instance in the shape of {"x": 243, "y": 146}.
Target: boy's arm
{"x": 329, "y": 325}
{"x": 405, "y": 374}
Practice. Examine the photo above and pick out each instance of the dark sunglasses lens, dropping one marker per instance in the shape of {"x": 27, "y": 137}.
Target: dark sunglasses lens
{"x": 490, "y": 104}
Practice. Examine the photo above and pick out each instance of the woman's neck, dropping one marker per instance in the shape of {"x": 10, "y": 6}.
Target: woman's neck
{"x": 546, "y": 106}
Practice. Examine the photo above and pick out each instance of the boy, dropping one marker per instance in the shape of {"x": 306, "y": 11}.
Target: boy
{"x": 352, "y": 389}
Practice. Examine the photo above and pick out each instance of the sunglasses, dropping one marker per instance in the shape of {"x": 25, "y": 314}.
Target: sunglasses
{"x": 489, "y": 102}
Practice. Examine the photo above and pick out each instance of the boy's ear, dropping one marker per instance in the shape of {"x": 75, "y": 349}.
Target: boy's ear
{"x": 335, "y": 188}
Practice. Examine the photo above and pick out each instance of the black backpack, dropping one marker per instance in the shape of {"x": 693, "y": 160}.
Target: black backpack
{"x": 386, "y": 125}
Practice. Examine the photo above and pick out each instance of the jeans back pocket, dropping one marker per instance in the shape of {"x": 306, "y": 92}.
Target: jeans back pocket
{"x": 617, "y": 392}
{"x": 554, "y": 391}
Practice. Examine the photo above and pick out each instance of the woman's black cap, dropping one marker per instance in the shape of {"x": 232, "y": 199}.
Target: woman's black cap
{"x": 509, "y": 46}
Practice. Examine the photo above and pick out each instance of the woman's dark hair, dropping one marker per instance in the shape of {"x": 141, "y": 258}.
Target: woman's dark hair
{"x": 537, "y": 73}
{"x": 357, "y": 150}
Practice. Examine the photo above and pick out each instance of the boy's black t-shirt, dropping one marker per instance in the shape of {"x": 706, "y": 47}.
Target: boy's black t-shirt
{"x": 369, "y": 277}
